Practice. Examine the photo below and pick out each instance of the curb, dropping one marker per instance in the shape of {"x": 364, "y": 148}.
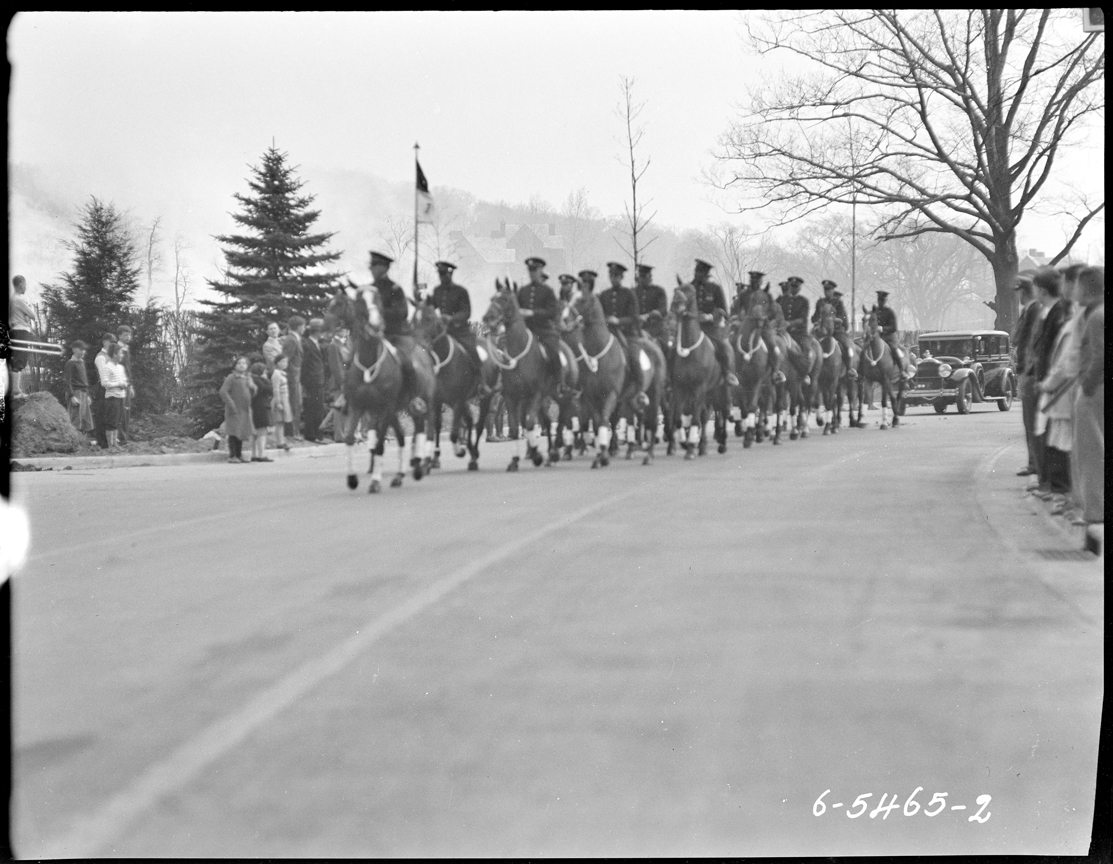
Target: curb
{"x": 139, "y": 460}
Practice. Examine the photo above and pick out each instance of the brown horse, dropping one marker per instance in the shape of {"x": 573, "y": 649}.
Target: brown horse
{"x": 752, "y": 363}
{"x": 458, "y": 382}
{"x": 373, "y": 389}
{"x": 832, "y": 375}
{"x": 878, "y": 366}
{"x": 527, "y": 385}
{"x": 602, "y": 371}
{"x": 696, "y": 378}
{"x": 806, "y": 394}
{"x": 641, "y": 419}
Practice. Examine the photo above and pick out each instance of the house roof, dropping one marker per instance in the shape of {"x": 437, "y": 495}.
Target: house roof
{"x": 492, "y": 250}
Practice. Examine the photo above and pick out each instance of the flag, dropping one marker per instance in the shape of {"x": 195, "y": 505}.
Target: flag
{"x": 425, "y": 210}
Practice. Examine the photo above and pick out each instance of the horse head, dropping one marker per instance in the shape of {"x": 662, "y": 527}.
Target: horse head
{"x": 503, "y": 309}
{"x": 758, "y": 303}
{"x": 683, "y": 299}
{"x": 368, "y": 311}
{"x": 427, "y": 321}
{"x": 588, "y": 307}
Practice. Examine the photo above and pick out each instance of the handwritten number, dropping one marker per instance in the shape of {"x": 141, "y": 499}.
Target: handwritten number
{"x": 984, "y": 801}
{"x": 913, "y": 803}
{"x": 938, "y": 796}
{"x": 819, "y": 808}
{"x": 882, "y": 808}
{"x": 861, "y": 799}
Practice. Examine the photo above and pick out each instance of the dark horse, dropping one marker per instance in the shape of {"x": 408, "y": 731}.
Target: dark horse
{"x": 458, "y": 382}
{"x": 527, "y": 385}
{"x": 602, "y": 373}
{"x": 373, "y": 389}
{"x": 832, "y": 376}
{"x": 752, "y": 362}
{"x": 698, "y": 390}
{"x": 877, "y": 365}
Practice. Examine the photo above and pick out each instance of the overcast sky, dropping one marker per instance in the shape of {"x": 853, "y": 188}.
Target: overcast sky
{"x": 171, "y": 108}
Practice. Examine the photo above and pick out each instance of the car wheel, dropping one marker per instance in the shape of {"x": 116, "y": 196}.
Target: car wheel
{"x": 940, "y": 407}
{"x": 962, "y": 397}
{"x": 1007, "y": 402}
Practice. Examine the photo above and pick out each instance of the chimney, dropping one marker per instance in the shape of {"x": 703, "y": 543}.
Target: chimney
{"x": 552, "y": 229}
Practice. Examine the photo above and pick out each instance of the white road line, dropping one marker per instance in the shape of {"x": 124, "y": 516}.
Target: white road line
{"x": 93, "y": 833}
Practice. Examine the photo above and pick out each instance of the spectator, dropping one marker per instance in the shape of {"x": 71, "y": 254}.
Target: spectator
{"x": 291, "y": 347}
{"x": 76, "y": 383}
{"x": 1022, "y": 338}
{"x": 114, "y": 378}
{"x": 1053, "y": 421}
{"x": 260, "y": 412}
{"x": 272, "y": 348}
{"x": 236, "y": 393}
{"x": 338, "y": 353}
{"x": 1089, "y": 402}
{"x": 123, "y": 338}
{"x": 281, "y": 415}
{"x": 107, "y": 341}
{"x": 21, "y": 324}
{"x": 313, "y": 380}
{"x": 1048, "y": 282}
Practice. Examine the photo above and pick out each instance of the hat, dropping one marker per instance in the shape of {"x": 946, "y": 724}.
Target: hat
{"x": 614, "y": 265}
{"x": 827, "y": 283}
{"x": 534, "y": 263}
{"x": 566, "y": 277}
{"x": 756, "y": 275}
{"x": 380, "y": 258}
{"x": 1024, "y": 278}
{"x": 794, "y": 280}
{"x": 645, "y": 268}
{"x": 881, "y": 295}
{"x": 702, "y": 265}
{"x": 445, "y": 265}
{"x": 837, "y": 293}
{"x": 588, "y": 274}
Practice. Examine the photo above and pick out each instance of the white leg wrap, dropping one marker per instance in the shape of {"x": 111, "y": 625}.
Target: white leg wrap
{"x": 401, "y": 458}
{"x": 604, "y": 438}
{"x": 372, "y": 440}
{"x": 567, "y": 437}
{"x": 377, "y": 470}
{"x": 750, "y": 422}
{"x": 631, "y": 434}
{"x": 620, "y": 428}
{"x": 821, "y": 415}
{"x": 735, "y": 413}
{"x": 693, "y": 434}
{"x": 349, "y": 455}
{"x": 421, "y": 447}
{"x": 589, "y": 437}
{"x": 575, "y": 424}
{"x": 534, "y": 437}
{"x": 685, "y": 420}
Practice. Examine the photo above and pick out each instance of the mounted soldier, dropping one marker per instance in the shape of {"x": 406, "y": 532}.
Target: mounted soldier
{"x": 587, "y": 280}
{"x": 653, "y": 304}
{"x": 568, "y": 285}
{"x": 795, "y": 309}
{"x": 832, "y": 298}
{"x": 454, "y": 304}
{"x": 712, "y": 308}
{"x": 887, "y": 324}
{"x": 620, "y": 307}
{"x": 396, "y": 321}
{"x": 541, "y": 308}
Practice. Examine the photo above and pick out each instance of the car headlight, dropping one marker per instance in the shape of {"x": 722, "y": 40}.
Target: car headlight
{"x": 945, "y": 370}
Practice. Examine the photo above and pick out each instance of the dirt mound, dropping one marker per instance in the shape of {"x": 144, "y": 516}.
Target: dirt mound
{"x": 41, "y": 425}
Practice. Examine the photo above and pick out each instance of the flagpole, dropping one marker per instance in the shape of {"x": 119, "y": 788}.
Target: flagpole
{"x": 416, "y": 148}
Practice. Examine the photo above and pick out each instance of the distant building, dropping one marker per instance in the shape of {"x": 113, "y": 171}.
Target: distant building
{"x": 481, "y": 260}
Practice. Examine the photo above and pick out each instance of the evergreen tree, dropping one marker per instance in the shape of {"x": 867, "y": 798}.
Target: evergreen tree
{"x": 274, "y": 271}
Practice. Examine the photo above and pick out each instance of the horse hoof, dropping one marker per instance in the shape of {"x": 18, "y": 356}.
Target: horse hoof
{"x": 884, "y": 425}
{"x": 513, "y": 466}
{"x": 738, "y": 430}
{"x": 353, "y": 481}
{"x": 689, "y": 453}
{"x": 567, "y": 454}
{"x": 594, "y": 463}
{"x": 826, "y": 431}
{"x": 748, "y": 442}
{"x": 375, "y": 487}
{"x": 436, "y": 462}
{"x": 804, "y": 433}
{"x": 722, "y": 449}
{"x": 646, "y": 460}
{"x": 776, "y": 439}
{"x": 537, "y": 460}
{"x": 396, "y": 481}
{"x": 418, "y": 472}
{"x": 793, "y": 435}
{"x": 604, "y": 461}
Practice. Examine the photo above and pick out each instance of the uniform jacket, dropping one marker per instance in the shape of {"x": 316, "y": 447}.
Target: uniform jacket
{"x": 396, "y": 308}
{"x": 886, "y": 320}
{"x": 312, "y": 366}
{"x": 709, "y": 297}
{"x": 839, "y": 310}
{"x": 453, "y": 302}
{"x": 795, "y": 308}
{"x": 622, "y": 303}
{"x": 541, "y": 299}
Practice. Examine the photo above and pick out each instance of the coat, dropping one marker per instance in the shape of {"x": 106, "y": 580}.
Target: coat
{"x": 312, "y": 367}
{"x": 261, "y": 402}
{"x": 280, "y": 398}
{"x": 1063, "y": 372}
{"x": 236, "y": 393}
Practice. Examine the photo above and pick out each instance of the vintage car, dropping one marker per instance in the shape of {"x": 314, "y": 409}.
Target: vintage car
{"x": 963, "y": 367}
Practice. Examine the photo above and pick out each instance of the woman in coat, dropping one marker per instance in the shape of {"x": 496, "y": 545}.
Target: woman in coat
{"x": 236, "y": 393}
{"x": 281, "y": 414}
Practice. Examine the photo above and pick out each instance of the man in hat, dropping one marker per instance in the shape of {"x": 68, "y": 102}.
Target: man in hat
{"x": 396, "y": 317}
{"x": 653, "y": 305}
{"x": 887, "y": 325}
{"x": 832, "y": 298}
{"x": 620, "y": 307}
{"x": 313, "y": 380}
{"x": 712, "y": 303}
{"x": 1027, "y": 385}
{"x": 568, "y": 284}
{"x": 541, "y": 308}
{"x": 587, "y": 280}
{"x": 793, "y": 321}
{"x": 454, "y": 303}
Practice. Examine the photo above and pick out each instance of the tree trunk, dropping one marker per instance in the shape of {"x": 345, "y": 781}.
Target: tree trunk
{"x": 1004, "y": 263}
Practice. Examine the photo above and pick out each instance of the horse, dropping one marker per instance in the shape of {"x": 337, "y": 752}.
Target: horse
{"x": 526, "y": 381}
{"x": 642, "y": 418}
{"x": 602, "y": 373}
{"x": 752, "y": 363}
{"x": 458, "y": 382}
{"x": 877, "y": 365}
{"x": 696, "y": 378}
{"x": 806, "y": 394}
{"x": 373, "y": 388}
{"x": 832, "y": 374}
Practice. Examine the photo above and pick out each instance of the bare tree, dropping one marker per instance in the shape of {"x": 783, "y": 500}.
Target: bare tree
{"x": 636, "y": 221}
{"x": 578, "y": 228}
{"x": 950, "y": 121}
{"x": 726, "y": 245}
{"x": 179, "y": 322}
{"x": 152, "y": 252}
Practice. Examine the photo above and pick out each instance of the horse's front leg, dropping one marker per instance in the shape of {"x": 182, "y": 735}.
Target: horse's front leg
{"x": 351, "y": 421}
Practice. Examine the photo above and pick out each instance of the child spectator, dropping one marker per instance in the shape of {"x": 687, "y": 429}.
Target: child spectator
{"x": 281, "y": 415}
{"x": 77, "y": 389}
{"x": 260, "y": 412}
{"x": 115, "y": 380}
{"x": 236, "y": 393}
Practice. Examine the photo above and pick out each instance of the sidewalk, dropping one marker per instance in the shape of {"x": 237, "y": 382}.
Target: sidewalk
{"x": 137, "y": 460}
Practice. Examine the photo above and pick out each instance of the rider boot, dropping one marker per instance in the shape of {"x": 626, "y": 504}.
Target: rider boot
{"x": 725, "y": 355}
{"x": 774, "y": 353}
{"x": 551, "y": 341}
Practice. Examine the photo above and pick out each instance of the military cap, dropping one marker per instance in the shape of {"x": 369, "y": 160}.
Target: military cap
{"x": 566, "y": 277}
{"x": 445, "y": 265}
{"x": 380, "y": 258}
{"x": 702, "y": 265}
{"x": 837, "y": 294}
{"x": 645, "y": 268}
{"x": 614, "y": 265}
{"x": 755, "y": 276}
{"x": 782, "y": 285}
{"x": 534, "y": 263}
{"x": 827, "y": 283}
{"x": 588, "y": 274}
{"x": 882, "y": 295}
{"x": 795, "y": 280}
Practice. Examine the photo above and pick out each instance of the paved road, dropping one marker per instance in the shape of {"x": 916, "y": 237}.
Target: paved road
{"x": 677, "y": 659}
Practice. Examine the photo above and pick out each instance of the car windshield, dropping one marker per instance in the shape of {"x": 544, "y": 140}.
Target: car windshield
{"x": 947, "y": 347}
